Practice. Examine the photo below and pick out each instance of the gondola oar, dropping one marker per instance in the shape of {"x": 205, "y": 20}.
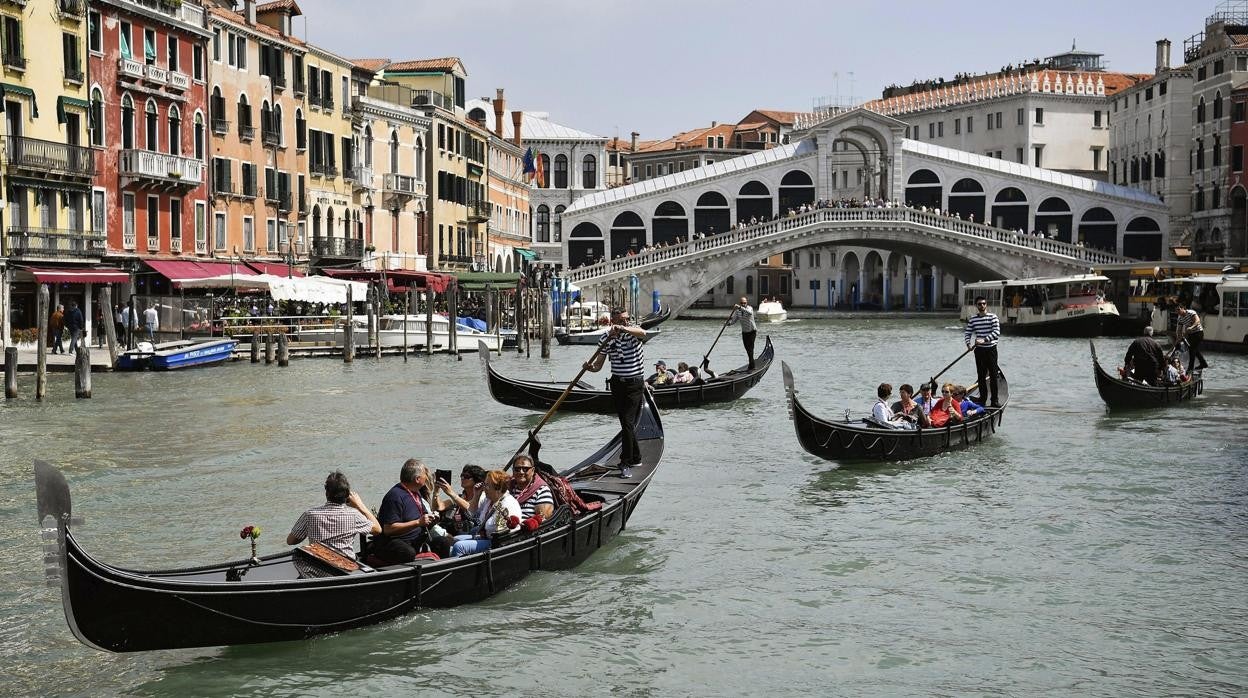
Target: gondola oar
{"x": 553, "y": 408}
{"x": 951, "y": 363}
{"x": 706, "y": 360}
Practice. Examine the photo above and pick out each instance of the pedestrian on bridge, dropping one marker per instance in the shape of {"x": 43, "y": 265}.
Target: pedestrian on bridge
{"x": 743, "y": 313}
{"x": 983, "y": 331}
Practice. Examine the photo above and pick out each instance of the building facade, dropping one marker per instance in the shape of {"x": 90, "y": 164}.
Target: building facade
{"x": 508, "y": 240}
{"x": 336, "y": 218}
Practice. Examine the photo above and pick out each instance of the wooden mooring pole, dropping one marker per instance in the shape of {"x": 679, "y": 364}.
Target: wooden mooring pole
{"x": 348, "y": 330}
{"x": 82, "y": 371}
{"x": 283, "y": 350}
{"x": 109, "y": 315}
{"x": 41, "y": 345}
{"x": 10, "y": 372}
{"x": 255, "y": 346}
{"x": 268, "y": 347}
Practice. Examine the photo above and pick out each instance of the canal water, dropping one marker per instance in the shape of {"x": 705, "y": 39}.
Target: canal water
{"x": 1078, "y": 552}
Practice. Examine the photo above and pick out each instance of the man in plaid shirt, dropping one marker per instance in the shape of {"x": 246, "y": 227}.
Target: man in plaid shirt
{"x": 335, "y": 523}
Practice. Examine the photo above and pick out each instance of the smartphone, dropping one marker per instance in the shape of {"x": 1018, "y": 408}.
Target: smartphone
{"x": 444, "y": 475}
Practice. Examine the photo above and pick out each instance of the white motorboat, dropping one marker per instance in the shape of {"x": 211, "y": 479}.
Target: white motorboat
{"x": 771, "y": 311}
{"x": 1060, "y": 306}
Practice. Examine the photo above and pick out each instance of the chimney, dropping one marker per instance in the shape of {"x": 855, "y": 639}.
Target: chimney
{"x": 1163, "y": 55}
{"x": 249, "y": 11}
{"x": 498, "y": 112}
{"x": 517, "y": 118}
{"x": 633, "y": 147}
{"x": 714, "y": 124}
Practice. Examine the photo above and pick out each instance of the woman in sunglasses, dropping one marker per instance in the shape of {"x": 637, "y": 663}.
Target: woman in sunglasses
{"x": 947, "y": 410}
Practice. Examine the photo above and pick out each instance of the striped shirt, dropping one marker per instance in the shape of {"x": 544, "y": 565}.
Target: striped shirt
{"x": 986, "y": 327}
{"x": 746, "y": 317}
{"x": 1189, "y": 321}
{"x": 624, "y": 350}
{"x": 543, "y": 495}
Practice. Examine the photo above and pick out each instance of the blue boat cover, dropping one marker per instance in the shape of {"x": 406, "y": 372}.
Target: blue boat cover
{"x": 473, "y": 323}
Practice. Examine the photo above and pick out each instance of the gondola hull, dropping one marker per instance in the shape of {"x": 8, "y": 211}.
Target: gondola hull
{"x": 858, "y": 441}
{"x": 1121, "y": 394}
{"x": 540, "y": 395}
{"x": 655, "y": 319}
{"x": 127, "y": 611}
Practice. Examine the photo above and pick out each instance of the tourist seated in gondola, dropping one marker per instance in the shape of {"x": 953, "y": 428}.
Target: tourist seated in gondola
{"x": 408, "y": 518}
{"x": 503, "y": 517}
{"x": 966, "y": 405}
{"x": 662, "y": 374}
{"x": 1145, "y": 359}
{"x": 926, "y": 398}
{"x": 530, "y": 490}
{"x": 1174, "y": 371}
{"x": 697, "y": 376}
{"x": 908, "y": 409}
{"x": 882, "y": 414}
{"x": 334, "y": 524}
{"x": 946, "y": 410}
{"x": 462, "y": 512}
{"x": 683, "y": 375}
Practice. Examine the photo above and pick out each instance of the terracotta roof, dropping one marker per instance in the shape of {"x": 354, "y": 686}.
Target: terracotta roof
{"x": 279, "y": 5}
{"x": 1061, "y": 82}
{"x": 695, "y": 138}
{"x": 259, "y": 28}
{"x": 428, "y": 64}
{"x": 787, "y": 118}
{"x": 371, "y": 64}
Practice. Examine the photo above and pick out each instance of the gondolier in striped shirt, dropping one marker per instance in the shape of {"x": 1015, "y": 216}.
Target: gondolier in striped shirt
{"x": 982, "y": 332}
{"x": 622, "y": 344}
{"x": 1193, "y": 331}
{"x": 744, "y": 314}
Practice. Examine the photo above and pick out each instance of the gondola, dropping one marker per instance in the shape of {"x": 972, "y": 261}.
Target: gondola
{"x": 540, "y": 395}
{"x": 247, "y": 602}
{"x": 1123, "y": 394}
{"x": 592, "y": 337}
{"x": 656, "y": 318}
{"x": 861, "y": 440}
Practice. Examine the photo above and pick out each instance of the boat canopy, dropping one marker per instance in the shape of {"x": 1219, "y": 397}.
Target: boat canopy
{"x": 398, "y": 280}
{"x": 307, "y": 289}
{"x": 1047, "y": 281}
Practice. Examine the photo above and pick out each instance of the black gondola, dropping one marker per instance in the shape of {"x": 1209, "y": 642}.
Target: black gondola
{"x": 123, "y": 610}
{"x": 860, "y": 440}
{"x": 1123, "y": 394}
{"x": 655, "y": 319}
{"x": 540, "y": 395}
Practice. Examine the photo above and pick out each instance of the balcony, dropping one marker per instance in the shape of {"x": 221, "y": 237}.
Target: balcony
{"x": 279, "y": 81}
{"x": 72, "y": 9}
{"x": 48, "y": 159}
{"x": 175, "y": 245}
{"x": 23, "y": 242}
{"x": 323, "y": 169}
{"x": 155, "y": 74}
{"x": 301, "y": 86}
{"x": 422, "y": 98}
{"x": 452, "y": 260}
{"x": 220, "y": 127}
{"x": 75, "y": 75}
{"x": 158, "y": 170}
{"x": 179, "y": 81}
{"x": 362, "y": 177}
{"x": 247, "y": 132}
{"x": 15, "y": 61}
{"x": 153, "y": 243}
{"x": 130, "y": 68}
{"x": 479, "y": 211}
{"x": 271, "y": 138}
{"x": 201, "y": 246}
{"x": 337, "y": 248}
{"x": 283, "y": 202}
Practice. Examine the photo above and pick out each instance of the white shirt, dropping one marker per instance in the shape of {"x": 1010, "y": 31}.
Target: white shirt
{"x": 151, "y": 317}
{"x": 883, "y": 414}
{"x": 511, "y": 506}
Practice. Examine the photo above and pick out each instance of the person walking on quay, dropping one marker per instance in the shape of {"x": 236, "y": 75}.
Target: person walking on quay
{"x": 623, "y": 345}
{"x": 743, "y": 313}
{"x": 1193, "y": 331}
{"x": 75, "y": 323}
{"x": 335, "y": 524}
{"x": 56, "y": 328}
{"x": 151, "y": 318}
{"x": 982, "y": 332}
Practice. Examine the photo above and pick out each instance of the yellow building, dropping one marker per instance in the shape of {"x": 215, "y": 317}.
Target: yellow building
{"x": 390, "y": 164}
{"x": 458, "y": 203}
{"x": 46, "y": 164}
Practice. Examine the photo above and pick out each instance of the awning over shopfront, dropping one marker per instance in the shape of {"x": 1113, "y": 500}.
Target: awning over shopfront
{"x": 398, "y": 280}
{"x": 527, "y": 254}
{"x": 180, "y": 271}
{"x": 276, "y": 269}
{"x": 82, "y": 275}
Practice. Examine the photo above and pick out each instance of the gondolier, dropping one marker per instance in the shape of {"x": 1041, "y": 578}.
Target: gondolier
{"x": 983, "y": 330}
{"x": 628, "y": 381}
{"x": 743, "y": 313}
{"x": 1189, "y": 329}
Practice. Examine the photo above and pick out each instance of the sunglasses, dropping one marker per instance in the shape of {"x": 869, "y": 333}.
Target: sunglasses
{"x": 522, "y": 469}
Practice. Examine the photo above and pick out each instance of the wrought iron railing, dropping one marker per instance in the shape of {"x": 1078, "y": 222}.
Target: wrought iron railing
{"x": 152, "y": 165}
{"x": 338, "y": 247}
{"x": 49, "y": 156}
{"x": 26, "y": 242}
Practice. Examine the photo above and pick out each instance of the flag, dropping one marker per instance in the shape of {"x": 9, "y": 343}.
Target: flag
{"x": 539, "y": 171}
{"x": 529, "y": 168}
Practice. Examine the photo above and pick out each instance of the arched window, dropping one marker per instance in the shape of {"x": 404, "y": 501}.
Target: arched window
{"x": 749, "y": 285}
{"x": 316, "y": 221}
{"x": 150, "y": 121}
{"x": 561, "y": 171}
{"x": 127, "y": 122}
{"x": 301, "y": 131}
{"x": 589, "y": 172}
{"x": 559, "y": 223}
{"x": 1200, "y": 111}
{"x": 394, "y": 152}
{"x": 1217, "y": 150}
{"x": 175, "y": 130}
{"x": 277, "y": 124}
{"x": 1217, "y": 105}
{"x": 543, "y": 223}
{"x": 730, "y": 285}
{"x": 97, "y": 117}
{"x": 199, "y": 136}
{"x": 245, "y": 130}
{"x": 266, "y": 122}
{"x": 216, "y": 111}
{"x": 545, "y": 168}
{"x": 419, "y": 169}
{"x": 329, "y": 222}
{"x": 368, "y": 146}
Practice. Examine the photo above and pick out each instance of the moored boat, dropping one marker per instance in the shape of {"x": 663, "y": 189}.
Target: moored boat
{"x": 264, "y": 600}
{"x": 593, "y": 336}
{"x": 862, "y": 440}
{"x": 1119, "y": 393}
{"x": 169, "y": 356}
{"x": 540, "y": 395}
{"x": 656, "y": 318}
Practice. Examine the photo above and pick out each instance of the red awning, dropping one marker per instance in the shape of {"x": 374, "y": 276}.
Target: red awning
{"x": 398, "y": 280}
{"x": 276, "y": 269}
{"x": 89, "y": 275}
{"x": 178, "y": 271}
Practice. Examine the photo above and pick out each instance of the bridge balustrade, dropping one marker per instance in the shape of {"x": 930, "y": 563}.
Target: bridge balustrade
{"x": 841, "y": 215}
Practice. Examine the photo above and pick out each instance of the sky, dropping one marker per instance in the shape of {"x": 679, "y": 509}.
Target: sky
{"x": 661, "y": 67}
